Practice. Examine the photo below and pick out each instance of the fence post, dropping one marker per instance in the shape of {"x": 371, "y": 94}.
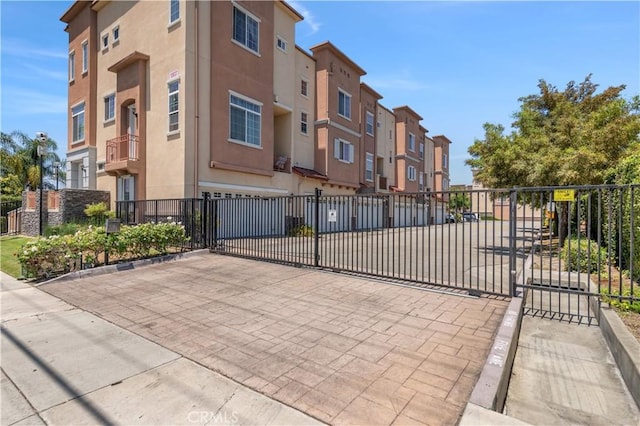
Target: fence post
{"x": 316, "y": 226}
{"x": 513, "y": 201}
{"x": 214, "y": 224}
{"x": 204, "y": 229}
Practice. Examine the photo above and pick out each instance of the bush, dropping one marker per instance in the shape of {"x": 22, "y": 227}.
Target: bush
{"x": 624, "y": 305}
{"x": 301, "y": 231}
{"x": 64, "y": 229}
{"x": 57, "y": 254}
{"x": 583, "y": 256}
{"x": 98, "y": 212}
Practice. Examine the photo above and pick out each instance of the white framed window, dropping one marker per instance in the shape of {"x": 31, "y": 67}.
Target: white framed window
{"x": 411, "y": 173}
{"x": 246, "y": 29}
{"x": 421, "y": 151}
{"x": 77, "y": 118}
{"x": 304, "y": 122}
{"x": 412, "y": 142}
{"x": 85, "y": 56}
{"x": 105, "y": 41}
{"x": 344, "y": 104}
{"x": 421, "y": 181}
{"x": 116, "y": 33}
{"x": 304, "y": 87}
{"x": 343, "y": 150}
{"x": 244, "y": 120}
{"x": 281, "y": 43}
{"x": 110, "y": 107}
{"x": 174, "y": 105}
{"x": 369, "y": 123}
{"x": 369, "y": 167}
{"x": 72, "y": 66}
{"x": 174, "y": 11}
{"x": 444, "y": 161}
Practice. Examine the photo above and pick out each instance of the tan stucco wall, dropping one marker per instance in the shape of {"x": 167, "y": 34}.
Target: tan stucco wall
{"x": 165, "y": 154}
{"x": 385, "y": 144}
{"x": 304, "y": 145}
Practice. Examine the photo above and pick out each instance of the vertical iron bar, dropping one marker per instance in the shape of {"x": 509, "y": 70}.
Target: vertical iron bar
{"x": 513, "y": 198}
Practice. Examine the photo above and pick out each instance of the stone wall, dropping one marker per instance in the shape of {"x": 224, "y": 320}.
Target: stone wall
{"x": 71, "y": 209}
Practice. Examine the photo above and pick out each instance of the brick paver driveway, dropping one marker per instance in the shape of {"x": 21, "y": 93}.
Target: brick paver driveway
{"x": 344, "y": 349}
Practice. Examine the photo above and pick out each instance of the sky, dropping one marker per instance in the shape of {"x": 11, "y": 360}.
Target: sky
{"x": 458, "y": 64}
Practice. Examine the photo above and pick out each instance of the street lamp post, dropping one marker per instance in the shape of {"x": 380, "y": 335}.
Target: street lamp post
{"x": 56, "y": 165}
{"x": 42, "y": 150}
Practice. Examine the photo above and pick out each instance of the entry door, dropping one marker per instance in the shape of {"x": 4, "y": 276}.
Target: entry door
{"x": 126, "y": 188}
{"x": 132, "y": 117}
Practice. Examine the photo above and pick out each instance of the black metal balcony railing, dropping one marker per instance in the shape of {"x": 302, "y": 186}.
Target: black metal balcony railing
{"x": 122, "y": 148}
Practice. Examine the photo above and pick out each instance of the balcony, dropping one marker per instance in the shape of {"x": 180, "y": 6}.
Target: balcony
{"x": 282, "y": 164}
{"x": 122, "y": 155}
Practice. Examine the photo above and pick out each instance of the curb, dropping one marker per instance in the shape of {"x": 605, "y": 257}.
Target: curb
{"x": 124, "y": 266}
{"x": 623, "y": 346}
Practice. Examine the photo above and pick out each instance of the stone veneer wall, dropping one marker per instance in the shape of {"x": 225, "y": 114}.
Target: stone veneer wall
{"x": 71, "y": 209}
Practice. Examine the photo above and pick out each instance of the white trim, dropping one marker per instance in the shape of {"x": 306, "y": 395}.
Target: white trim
{"x": 104, "y": 47}
{"x": 252, "y": 16}
{"x": 113, "y": 29}
{"x": 225, "y": 186}
{"x": 175, "y": 21}
{"x": 284, "y": 41}
{"x": 243, "y": 9}
{"x": 350, "y": 98}
{"x": 373, "y": 121}
{"x": 85, "y": 56}
{"x": 304, "y": 111}
{"x": 234, "y": 41}
{"x": 306, "y": 80}
{"x": 72, "y": 69}
{"x": 114, "y": 107}
{"x": 246, "y": 98}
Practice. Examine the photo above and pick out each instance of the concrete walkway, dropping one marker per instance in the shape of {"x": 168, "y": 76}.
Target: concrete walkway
{"x": 62, "y": 365}
{"x": 564, "y": 374}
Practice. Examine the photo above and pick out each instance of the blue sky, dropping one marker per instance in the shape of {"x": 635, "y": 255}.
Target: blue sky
{"x": 458, "y": 64}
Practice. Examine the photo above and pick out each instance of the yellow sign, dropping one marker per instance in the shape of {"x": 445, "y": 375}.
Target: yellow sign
{"x": 564, "y": 194}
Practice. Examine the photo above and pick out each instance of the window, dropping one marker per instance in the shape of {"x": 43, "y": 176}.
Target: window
{"x": 244, "y": 121}
{"x": 421, "y": 181}
{"x": 411, "y": 173}
{"x": 421, "y": 151}
{"x": 343, "y": 150}
{"x": 105, "y": 41}
{"x": 174, "y": 13}
{"x": 303, "y": 122}
{"x": 245, "y": 30}
{"x": 344, "y": 104}
{"x": 368, "y": 175}
{"x": 110, "y": 107}
{"x": 174, "y": 104}
{"x": 100, "y": 166}
{"x": 304, "y": 87}
{"x": 77, "y": 117}
{"x": 444, "y": 161}
{"x": 85, "y": 56}
{"x": 412, "y": 142}
{"x": 116, "y": 33}
{"x": 369, "y": 123}
{"x": 72, "y": 66}
{"x": 281, "y": 43}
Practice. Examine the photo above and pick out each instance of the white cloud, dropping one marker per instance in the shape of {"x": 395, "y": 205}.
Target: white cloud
{"x": 308, "y": 16}
{"x": 21, "y": 48}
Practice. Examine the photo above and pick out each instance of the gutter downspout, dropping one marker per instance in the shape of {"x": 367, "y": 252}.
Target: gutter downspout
{"x": 197, "y": 103}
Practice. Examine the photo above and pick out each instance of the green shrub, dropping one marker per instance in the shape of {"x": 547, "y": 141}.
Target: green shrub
{"x": 624, "y": 305}
{"x": 57, "y": 254}
{"x": 64, "y": 229}
{"x": 583, "y": 256}
{"x": 301, "y": 231}
{"x": 98, "y": 212}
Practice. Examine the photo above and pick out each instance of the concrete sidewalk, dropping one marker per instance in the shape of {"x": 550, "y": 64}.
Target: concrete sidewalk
{"x": 62, "y": 365}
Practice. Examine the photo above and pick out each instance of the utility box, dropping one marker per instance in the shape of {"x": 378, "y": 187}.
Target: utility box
{"x": 112, "y": 226}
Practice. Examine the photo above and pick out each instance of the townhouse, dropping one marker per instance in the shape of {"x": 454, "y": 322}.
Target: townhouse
{"x": 179, "y": 98}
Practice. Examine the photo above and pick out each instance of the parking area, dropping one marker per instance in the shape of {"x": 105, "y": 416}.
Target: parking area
{"x": 343, "y": 349}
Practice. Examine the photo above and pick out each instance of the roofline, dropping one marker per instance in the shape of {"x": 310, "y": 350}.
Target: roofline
{"x": 339, "y": 53}
{"x": 306, "y": 53}
{"x": 292, "y": 10}
{"x": 408, "y": 108}
{"x": 74, "y": 9}
{"x": 385, "y": 108}
{"x": 446, "y": 139}
{"x": 369, "y": 89}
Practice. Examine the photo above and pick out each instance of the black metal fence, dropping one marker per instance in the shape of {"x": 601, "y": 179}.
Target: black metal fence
{"x": 7, "y": 209}
{"x": 564, "y": 249}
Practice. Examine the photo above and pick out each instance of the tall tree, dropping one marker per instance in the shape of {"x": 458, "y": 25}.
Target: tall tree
{"x": 20, "y": 164}
{"x": 569, "y": 137}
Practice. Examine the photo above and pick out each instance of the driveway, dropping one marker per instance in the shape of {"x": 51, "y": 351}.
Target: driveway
{"x": 343, "y": 349}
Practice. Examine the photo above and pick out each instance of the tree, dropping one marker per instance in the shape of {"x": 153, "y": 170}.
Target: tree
{"x": 459, "y": 201}
{"x": 20, "y": 164}
{"x": 570, "y": 137}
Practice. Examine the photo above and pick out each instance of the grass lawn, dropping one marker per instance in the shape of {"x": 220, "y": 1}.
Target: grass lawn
{"x": 8, "y": 246}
